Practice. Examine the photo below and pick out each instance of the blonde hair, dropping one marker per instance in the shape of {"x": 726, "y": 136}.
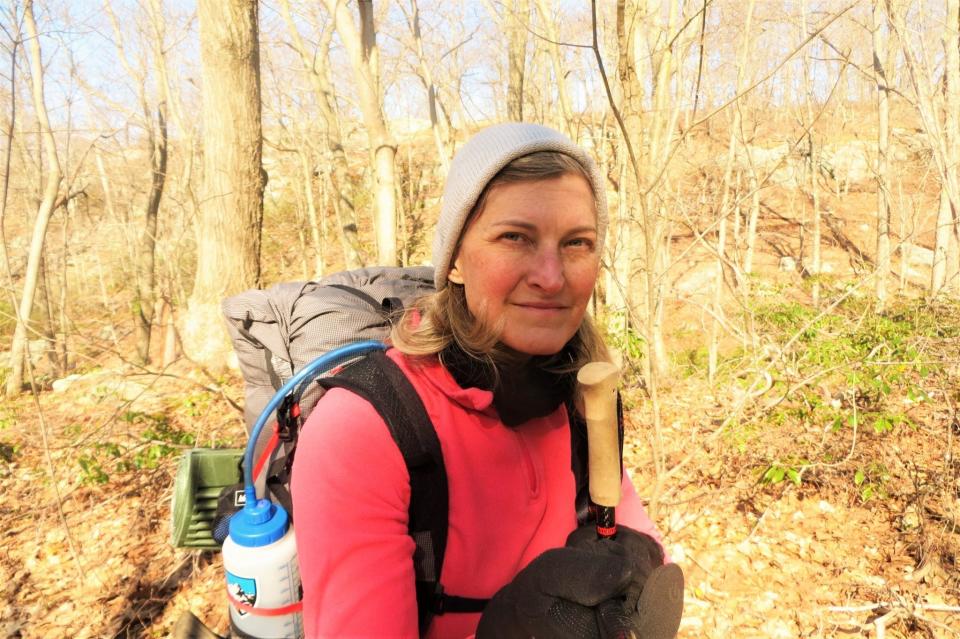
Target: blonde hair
{"x": 442, "y": 319}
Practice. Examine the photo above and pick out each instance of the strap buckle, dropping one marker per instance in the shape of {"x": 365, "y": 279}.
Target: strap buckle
{"x": 437, "y": 600}
{"x": 288, "y": 419}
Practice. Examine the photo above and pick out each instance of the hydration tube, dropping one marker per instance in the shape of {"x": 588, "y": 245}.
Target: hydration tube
{"x": 319, "y": 365}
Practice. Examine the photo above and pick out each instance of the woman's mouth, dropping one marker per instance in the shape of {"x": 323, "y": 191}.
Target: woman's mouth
{"x": 541, "y": 306}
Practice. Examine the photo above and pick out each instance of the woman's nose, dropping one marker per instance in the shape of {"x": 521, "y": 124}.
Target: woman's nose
{"x": 546, "y": 271}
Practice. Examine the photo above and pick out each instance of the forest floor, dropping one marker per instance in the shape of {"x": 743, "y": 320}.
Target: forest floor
{"x": 803, "y": 498}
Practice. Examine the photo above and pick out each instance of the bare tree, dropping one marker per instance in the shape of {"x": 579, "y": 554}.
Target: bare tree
{"x": 938, "y": 113}
{"x": 440, "y": 126}
{"x": 883, "y": 144}
{"x": 15, "y": 43}
{"x": 231, "y": 212}
{"x": 154, "y": 122}
{"x": 559, "y": 72}
{"x": 736, "y": 132}
{"x": 44, "y": 212}
{"x": 517, "y": 19}
{"x": 813, "y": 154}
{"x": 951, "y": 80}
{"x": 361, "y": 45}
{"x": 334, "y": 168}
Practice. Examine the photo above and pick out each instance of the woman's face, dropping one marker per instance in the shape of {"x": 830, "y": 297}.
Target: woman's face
{"x": 528, "y": 261}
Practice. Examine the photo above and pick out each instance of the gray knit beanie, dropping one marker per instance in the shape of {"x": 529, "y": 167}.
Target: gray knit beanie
{"x": 479, "y": 160}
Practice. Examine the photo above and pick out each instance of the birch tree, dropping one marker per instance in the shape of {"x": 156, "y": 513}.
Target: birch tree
{"x": 231, "y": 211}
{"x": 45, "y": 211}
{"x": 650, "y": 46}
{"x": 642, "y": 225}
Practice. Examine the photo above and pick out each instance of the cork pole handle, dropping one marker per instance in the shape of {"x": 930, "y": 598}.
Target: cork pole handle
{"x": 598, "y": 386}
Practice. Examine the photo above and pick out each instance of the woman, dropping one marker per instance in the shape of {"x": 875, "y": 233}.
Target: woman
{"x": 493, "y": 354}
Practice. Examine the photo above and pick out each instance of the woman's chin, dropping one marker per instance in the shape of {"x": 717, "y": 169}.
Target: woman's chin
{"x": 531, "y": 346}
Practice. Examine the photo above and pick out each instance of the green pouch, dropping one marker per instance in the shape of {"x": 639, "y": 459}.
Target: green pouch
{"x": 201, "y": 476}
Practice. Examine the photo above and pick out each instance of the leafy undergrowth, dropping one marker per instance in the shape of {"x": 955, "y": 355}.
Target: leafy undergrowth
{"x": 811, "y": 490}
{"x": 814, "y": 489}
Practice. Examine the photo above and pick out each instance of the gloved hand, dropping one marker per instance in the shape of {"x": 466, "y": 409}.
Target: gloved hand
{"x": 652, "y": 603}
{"x": 642, "y": 550}
{"x": 555, "y": 596}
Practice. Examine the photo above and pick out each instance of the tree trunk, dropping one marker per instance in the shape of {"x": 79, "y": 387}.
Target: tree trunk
{"x": 8, "y": 154}
{"x": 559, "y": 73}
{"x": 943, "y": 137}
{"x": 751, "y": 242}
{"x": 811, "y": 267}
{"x": 231, "y": 211}
{"x": 815, "y": 240}
{"x": 336, "y": 168}
{"x": 518, "y": 15}
{"x": 625, "y": 227}
{"x": 951, "y": 41}
{"x": 438, "y": 126}
{"x": 312, "y": 217}
{"x": 725, "y": 205}
{"x": 44, "y": 211}
{"x": 145, "y": 298}
{"x": 47, "y": 329}
{"x": 361, "y": 46}
{"x": 883, "y": 142}
{"x": 941, "y": 242}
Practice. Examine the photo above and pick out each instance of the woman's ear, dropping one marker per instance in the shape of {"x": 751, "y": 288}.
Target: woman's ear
{"x": 453, "y": 275}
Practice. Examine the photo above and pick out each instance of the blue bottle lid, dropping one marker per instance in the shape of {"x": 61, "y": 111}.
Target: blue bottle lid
{"x": 259, "y": 524}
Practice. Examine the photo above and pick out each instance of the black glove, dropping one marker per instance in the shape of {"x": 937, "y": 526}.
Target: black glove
{"x": 640, "y": 549}
{"x": 652, "y": 603}
{"x": 554, "y": 597}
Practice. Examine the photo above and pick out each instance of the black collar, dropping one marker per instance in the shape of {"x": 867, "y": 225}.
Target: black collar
{"x": 521, "y": 392}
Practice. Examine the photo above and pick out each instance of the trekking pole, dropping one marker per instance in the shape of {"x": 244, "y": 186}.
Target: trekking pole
{"x": 598, "y": 385}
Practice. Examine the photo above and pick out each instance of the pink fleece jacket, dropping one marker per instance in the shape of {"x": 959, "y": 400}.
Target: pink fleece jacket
{"x": 511, "y": 498}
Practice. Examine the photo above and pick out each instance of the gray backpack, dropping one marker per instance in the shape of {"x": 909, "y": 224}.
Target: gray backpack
{"x": 277, "y": 331}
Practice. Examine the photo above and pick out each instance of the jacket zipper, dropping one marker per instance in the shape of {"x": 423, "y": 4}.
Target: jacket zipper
{"x": 533, "y": 482}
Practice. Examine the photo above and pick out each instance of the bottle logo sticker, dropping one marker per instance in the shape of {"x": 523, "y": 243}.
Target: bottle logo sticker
{"x": 243, "y": 589}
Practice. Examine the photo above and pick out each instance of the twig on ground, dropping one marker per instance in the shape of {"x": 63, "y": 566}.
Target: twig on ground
{"x": 763, "y": 516}
{"x": 890, "y": 610}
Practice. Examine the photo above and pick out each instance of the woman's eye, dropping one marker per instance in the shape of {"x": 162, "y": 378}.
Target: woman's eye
{"x": 580, "y": 242}
{"x": 513, "y": 237}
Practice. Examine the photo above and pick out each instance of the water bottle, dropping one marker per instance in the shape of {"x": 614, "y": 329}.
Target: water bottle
{"x": 263, "y": 578}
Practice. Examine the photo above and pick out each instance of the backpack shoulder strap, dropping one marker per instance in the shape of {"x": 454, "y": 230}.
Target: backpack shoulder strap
{"x": 380, "y": 381}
